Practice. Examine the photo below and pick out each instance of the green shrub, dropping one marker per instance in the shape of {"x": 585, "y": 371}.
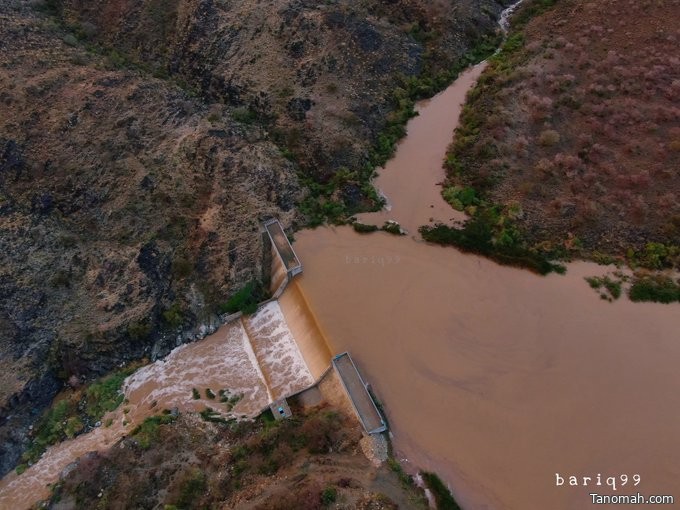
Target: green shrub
{"x": 392, "y": 227}
{"x": 209, "y": 394}
{"x": 659, "y": 289}
{"x": 656, "y": 256}
{"x": 244, "y": 115}
{"x": 611, "y": 285}
{"x": 195, "y": 394}
{"x": 105, "y": 394}
{"x": 245, "y": 300}
{"x": 460, "y": 197}
{"x": 329, "y": 495}
{"x": 173, "y": 316}
{"x": 363, "y": 228}
{"x": 148, "y": 432}
{"x": 441, "y": 493}
{"x": 73, "y": 427}
{"x": 230, "y": 400}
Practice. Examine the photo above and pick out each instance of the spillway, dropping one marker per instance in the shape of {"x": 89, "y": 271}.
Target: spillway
{"x": 254, "y": 360}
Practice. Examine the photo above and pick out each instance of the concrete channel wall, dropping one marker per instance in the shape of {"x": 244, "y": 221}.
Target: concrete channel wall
{"x": 361, "y": 400}
{"x": 283, "y": 247}
{"x": 358, "y": 394}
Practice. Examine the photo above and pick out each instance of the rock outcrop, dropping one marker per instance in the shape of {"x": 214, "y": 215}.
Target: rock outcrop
{"x": 142, "y": 142}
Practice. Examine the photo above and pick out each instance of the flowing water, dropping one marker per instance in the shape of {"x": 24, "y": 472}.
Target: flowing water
{"x": 492, "y": 376}
{"x": 306, "y": 330}
{"x": 278, "y": 272}
{"x": 283, "y": 367}
{"x": 408, "y": 180}
{"x": 504, "y": 20}
{"x": 254, "y": 361}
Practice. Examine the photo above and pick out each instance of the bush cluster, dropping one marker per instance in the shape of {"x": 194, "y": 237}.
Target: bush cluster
{"x": 71, "y": 416}
{"x": 246, "y": 299}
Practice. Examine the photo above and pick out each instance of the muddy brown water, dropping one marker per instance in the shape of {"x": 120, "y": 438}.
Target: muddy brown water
{"x": 409, "y": 180}
{"x": 254, "y": 360}
{"x": 494, "y": 377}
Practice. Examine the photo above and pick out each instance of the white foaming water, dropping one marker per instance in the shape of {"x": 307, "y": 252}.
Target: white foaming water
{"x": 278, "y": 271}
{"x": 227, "y": 360}
{"x": 277, "y": 352}
{"x": 248, "y": 349}
{"x": 504, "y": 20}
{"x": 221, "y": 361}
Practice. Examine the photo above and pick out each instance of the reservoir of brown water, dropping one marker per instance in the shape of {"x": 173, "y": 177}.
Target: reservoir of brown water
{"x": 494, "y": 377}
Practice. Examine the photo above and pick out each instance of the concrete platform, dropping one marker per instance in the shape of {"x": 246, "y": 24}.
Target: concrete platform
{"x": 361, "y": 399}
{"x": 283, "y": 247}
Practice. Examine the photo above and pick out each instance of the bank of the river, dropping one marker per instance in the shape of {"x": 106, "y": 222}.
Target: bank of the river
{"x": 497, "y": 378}
{"x": 492, "y": 376}
{"x": 569, "y": 146}
{"x": 232, "y": 374}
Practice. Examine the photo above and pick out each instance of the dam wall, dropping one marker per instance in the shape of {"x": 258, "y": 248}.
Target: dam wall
{"x": 311, "y": 339}
{"x": 301, "y": 332}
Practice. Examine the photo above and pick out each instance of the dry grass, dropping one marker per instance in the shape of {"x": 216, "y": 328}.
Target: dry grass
{"x": 579, "y": 123}
{"x": 303, "y": 463}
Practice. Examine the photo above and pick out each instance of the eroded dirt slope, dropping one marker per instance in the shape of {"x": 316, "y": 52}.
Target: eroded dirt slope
{"x": 123, "y": 210}
{"x": 319, "y": 74}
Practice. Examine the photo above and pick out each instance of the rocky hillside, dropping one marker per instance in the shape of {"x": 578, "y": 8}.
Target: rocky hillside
{"x": 312, "y": 462}
{"x": 574, "y": 133}
{"x": 141, "y": 142}
{"x": 323, "y": 77}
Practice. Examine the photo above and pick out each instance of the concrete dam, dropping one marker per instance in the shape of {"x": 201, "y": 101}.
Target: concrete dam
{"x": 250, "y": 364}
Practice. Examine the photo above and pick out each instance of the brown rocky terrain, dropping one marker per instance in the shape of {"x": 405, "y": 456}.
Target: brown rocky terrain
{"x": 313, "y": 461}
{"x": 574, "y": 132}
{"x": 124, "y": 209}
{"x": 141, "y": 143}
{"x": 319, "y": 75}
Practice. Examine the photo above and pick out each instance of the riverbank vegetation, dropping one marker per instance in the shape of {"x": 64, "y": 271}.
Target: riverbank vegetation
{"x": 493, "y": 234}
{"x": 322, "y": 203}
{"x": 567, "y": 145}
{"x": 307, "y": 462}
{"x": 391, "y": 227}
{"x": 75, "y": 412}
{"x": 609, "y": 288}
{"x": 442, "y": 495}
{"x": 246, "y": 299}
{"x": 656, "y": 288}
